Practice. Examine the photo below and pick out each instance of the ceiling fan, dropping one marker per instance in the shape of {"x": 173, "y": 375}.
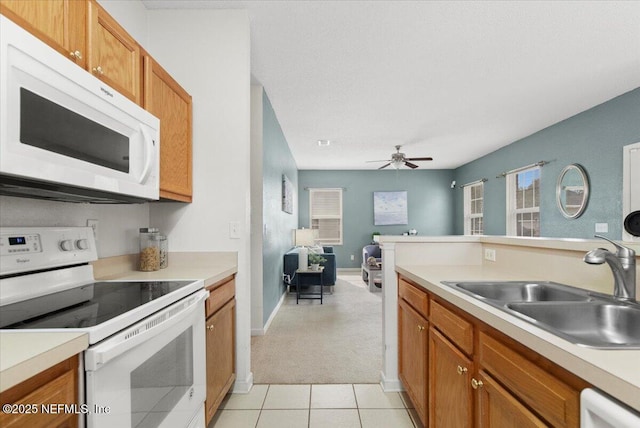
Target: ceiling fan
{"x": 398, "y": 158}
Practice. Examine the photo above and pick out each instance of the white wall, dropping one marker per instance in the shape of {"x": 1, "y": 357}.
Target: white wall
{"x": 207, "y": 52}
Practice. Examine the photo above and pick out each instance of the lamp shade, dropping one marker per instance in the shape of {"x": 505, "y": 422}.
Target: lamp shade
{"x": 304, "y": 237}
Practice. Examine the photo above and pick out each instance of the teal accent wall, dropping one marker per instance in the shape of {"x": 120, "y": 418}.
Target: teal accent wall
{"x": 278, "y": 225}
{"x": 593, "y": 138}
{"x": 429, "y": 200}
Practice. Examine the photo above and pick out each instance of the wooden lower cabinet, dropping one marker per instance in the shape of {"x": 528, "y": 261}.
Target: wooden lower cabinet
{"x": 498, "y": 408}
{"x": 413, "y": 370}
{"x": 220, "y": 343}
{"x": 477, "y": 376}
{"x": 451, "y": 399}
{"x": 56, "y": 385}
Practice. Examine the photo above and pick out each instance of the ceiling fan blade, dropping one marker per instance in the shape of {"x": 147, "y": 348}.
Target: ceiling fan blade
{"x": 410, "y": 165}
{"x": 419, "y": 159}
{"x": 384, "y": 166}
{"x": 381, "y": 160}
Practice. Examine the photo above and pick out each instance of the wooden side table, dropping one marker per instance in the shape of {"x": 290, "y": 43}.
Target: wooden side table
{"x": 309, "y": 295}
{"x": 374, "y": 275}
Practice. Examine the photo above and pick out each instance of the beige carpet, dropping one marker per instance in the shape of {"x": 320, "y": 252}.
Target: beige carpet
{"x": 339, "y": 341}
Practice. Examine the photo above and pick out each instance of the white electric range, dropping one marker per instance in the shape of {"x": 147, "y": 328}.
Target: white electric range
{"x": 146, "y": 356}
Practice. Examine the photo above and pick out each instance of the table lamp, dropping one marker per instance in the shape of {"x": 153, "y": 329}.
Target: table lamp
{"x": 304, "y": 238}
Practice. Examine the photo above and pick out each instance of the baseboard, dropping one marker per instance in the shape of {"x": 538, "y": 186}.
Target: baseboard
{"x": 347, "y": 271}
{"x": 262, "y": 331}
{"x": 243, "y": 387}
{"x": 390, "y": 385}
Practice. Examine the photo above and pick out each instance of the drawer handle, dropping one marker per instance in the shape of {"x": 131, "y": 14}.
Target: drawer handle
{"x": 210, "y": 327}
{"x": 475, "y": 384}
{"x": 76, "y": 54}
{"x": 98, "y": 70}
{"x": 461, "y": 370}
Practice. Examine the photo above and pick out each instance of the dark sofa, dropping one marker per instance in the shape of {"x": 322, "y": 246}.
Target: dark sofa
{"x": 328, "y": 276}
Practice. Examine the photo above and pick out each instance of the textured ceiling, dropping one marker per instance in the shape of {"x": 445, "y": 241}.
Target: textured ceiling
{"x": 451, "y": 80}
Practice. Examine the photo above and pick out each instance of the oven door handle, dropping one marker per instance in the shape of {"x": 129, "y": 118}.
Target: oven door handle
{"x": 146, "y": 329}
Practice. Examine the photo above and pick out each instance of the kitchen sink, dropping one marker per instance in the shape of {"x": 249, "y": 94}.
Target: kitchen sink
{"x": 520, "y": 291}
{"x": 597, "y": 323}
{"x": 582, "y": 317}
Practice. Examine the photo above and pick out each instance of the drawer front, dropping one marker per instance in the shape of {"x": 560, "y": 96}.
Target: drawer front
{"x": 551, "y": 398}
{"x": 414, "y": 296}
{"x": 220, "y": 293}
{"x": 456, "y": 328}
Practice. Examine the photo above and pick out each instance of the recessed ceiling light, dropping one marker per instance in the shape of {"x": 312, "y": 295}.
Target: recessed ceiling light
{"x": 322, "y": 143}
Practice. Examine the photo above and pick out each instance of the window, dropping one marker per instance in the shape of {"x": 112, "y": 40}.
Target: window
{"x": 473, "y": 209}
{"x": 325, "y": 208}
{"x": 523, "y": 203}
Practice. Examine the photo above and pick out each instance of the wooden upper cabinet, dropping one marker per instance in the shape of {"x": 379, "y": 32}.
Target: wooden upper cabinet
{"x": 59, "y": 23}
{"x": 114, "y": 56}
{"x": 168, "y": 101}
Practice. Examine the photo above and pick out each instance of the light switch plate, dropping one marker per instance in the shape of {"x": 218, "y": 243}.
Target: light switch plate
{"x": 234, "y": 229}
{"x": 490, "y": 254}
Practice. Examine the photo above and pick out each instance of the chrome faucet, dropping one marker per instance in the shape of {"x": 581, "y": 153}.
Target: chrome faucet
{"x": 623, "y": 266}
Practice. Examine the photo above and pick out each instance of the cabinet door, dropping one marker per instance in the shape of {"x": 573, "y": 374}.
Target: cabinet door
{"x": 450, "y": 393}
{"x": 167, "y": 100}
{"x": 114, "y": 56}
{"x": 57, "y": 385}
{"x": 412, "y": 361}
{"x": 498, "y": 408}
{"x": 220, "y": 356}
{"x": 59, "y": 23}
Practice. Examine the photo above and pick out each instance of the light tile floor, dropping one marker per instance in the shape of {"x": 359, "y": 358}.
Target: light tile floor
{"x": 315, "y": 406}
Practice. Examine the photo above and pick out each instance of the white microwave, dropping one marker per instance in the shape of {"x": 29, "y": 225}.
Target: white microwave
{"x": 66, "y": 135}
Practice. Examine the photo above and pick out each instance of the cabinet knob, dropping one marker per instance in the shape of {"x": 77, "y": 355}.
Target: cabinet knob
{"x": 76, "y": 54}
{"x": 420, "y": 328}
{"x": 475, "y": 384}
{"x": 98, "y": 70}
{"x": 461, "y": 370}
{"x": 210, "y": 327}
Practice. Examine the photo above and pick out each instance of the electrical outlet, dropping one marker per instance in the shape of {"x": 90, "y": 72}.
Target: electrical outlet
{"x": 92, "y": 223}
{"x": 490, "y": 254}
{"x": 353, "y": 257}
{"x": 602, "y": 227}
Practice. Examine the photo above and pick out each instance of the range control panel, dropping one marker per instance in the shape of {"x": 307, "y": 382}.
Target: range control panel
{"x": 24, "y": 249}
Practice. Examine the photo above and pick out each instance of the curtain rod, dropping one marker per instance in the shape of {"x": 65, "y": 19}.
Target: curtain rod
{"x": 482, "y": 180}
{"x": 326, "y": 188}
{"x": 522, "y": 168}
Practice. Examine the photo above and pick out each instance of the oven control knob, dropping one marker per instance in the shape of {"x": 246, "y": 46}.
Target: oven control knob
{"x": 66, "y": 245}
{"x": 82, "y": 244}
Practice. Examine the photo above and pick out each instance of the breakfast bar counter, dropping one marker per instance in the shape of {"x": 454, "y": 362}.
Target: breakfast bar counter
{"x": 615, "y": 371}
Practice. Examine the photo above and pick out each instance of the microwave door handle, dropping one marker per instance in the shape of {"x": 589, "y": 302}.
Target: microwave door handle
{"x": 102, "y": 354}
{"x": 148, "y": 153}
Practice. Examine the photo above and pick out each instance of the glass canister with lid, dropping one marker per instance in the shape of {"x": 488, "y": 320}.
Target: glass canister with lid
{"x": 149, "y": 259}
{"x": 164, "y": 251}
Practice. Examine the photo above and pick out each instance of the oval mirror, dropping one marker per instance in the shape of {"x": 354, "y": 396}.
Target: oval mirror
{"x": 572, "y": 191}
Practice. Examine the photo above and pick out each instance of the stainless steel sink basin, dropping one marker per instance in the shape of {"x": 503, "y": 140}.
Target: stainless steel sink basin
{"x": 579, "y": 316}
{"x": 598, "y": 323}
{"x": 520, "y": 291}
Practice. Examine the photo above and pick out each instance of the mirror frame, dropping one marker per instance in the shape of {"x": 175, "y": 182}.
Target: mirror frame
{"x": 585, "y": 200}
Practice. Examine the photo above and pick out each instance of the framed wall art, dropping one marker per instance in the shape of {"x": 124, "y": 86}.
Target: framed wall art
{"x": 287, "y": 195}
{"x": 390, "y": 208}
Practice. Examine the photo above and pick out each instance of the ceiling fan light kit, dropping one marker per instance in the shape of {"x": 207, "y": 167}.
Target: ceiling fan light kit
{"x": 398, "y": 159}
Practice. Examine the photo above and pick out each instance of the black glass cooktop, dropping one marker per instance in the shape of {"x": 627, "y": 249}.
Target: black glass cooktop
{"x": 85, "y": 306}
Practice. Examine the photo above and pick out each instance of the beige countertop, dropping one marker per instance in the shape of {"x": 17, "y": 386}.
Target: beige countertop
{"x": 616, "y": 372}
{"x": 24, "y": 354}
